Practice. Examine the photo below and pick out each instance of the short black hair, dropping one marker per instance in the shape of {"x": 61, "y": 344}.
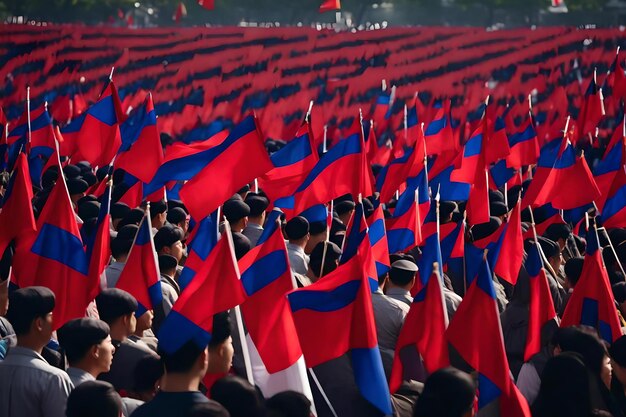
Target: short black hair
{"x": 221, "y": 329}
{"x": 289, "y": 404}
{"x": 94, "y": 399}
{"x": 238, "y": 396}
{"x": 147, "y": 371}
{"x": 573, "y": 268}
{"x": 558, "y": 231}
{"x": 183, "y": 359}
{"x": 330, "y": 260}
{"x": 447, "y": 392}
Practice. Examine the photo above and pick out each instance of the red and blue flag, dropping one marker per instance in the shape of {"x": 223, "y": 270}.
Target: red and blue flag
{"x": 202, "y": 240}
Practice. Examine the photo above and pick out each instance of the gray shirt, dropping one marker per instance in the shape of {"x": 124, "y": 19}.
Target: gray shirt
{"x": 389, "y": 315}
{"x": 31, "y": 387}
{"x": 112, "y": 273}
{"x": 78, "y": 376}
{"x": 253, "y": 232}
{"x": 400, "y": 294}
{"x": 298, "y": 260}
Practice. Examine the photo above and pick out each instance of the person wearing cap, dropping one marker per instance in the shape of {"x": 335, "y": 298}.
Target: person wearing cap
{"x": 330, "y": 254}
{"x": 30, "y": 386}
{"x": 143, "y": 331}
{"x": 297, "y": 232}
{"x": 169, "y": 288}
{"x": 554, "y": 271}
{"x": 561, "y": 234}
{"x": 158, "y": 214}
{"x": 401, "y": 280}
{"x": 344, "y": 210}
{"x": 389, "y": 316}
{"x": 256, "y": 219}
{"x": 117, "y": 308}
{"x": 447, "y": 392}
{"x": 120, "y": 248}
{"x": 168, "y": 241}
{"x": 236, "y": 212}
{"x": 77, "y": 188}
{"x": 498, "y": 209}
{"x": 88, "y": 348}
{"x": 184, "y": 370}
{"x": 94, "y": 399}
{"x": 179, "y": 217}
{"x": 318, "y": 232}
{"x": 118, "y": 211}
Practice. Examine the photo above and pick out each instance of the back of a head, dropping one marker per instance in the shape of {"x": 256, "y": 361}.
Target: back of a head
{"x": 573, "y": 269}
{"x": 208, "y": 409}
{"x": 238, "y": 396}
{"x": 330, "y": 253}
{"x": 289, "y": 404}
{"x": 182, "y": 360}
{"x": 564, "y": 390}
{"x": 447, "y": 393}
{"x": 27, "y": 304}
{"x": 590, "y": 348}
{"x": 94, "y": 399}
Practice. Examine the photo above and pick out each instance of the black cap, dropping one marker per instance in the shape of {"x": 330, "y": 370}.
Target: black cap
{"x": 549, "y": 247}
{"x": 333, "y": 253}
{"x": 90, "y": 178}
{"x": 121, "y": 244}
{"x": 497, "y": 208}
{"x": 167, "y": 236}
{"x": 402, "y": 272}
{"x": 49, "y": 178}
{"x": 172, "y": 204}
{"x": 26, "y": 304}
{"x": 368, "y": 207}
{"x": 72, "y": 171}
{"x": 77, "y": 186}
{"x": 85, "y": 198}
{"x": 315, "y": 228}
{"x": 94, "y": 398}
{"x": 482, "y": 230}
{"x": 344, "y": 207}
{"x": 84, "y": 166}
{"x": 573, "y": 269}
{"x": 78, "y": 335}
{"x": 134, "y": 216}
{"x": 257, "y": 204}
{"x": 167, "y": 262}
{"x": 176, "y": 215}
{"x": 113, "y": 303}
{"x": 241, "y": 244}
{"x": 157, "y": 207}
{"x": 235, "y": 210}
{"x": 558, "y": 231}
{"x": 119, "y": 210}
{"x": 102, "y": 172}
{"x": 88, "y": 210}
{"x": 496, "y": 195}
{"x": 128, "y": 231}
{"x": 297, "y": 228}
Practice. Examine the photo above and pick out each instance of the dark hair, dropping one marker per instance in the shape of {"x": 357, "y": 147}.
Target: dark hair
{"x": 564, "y": 390}
{"x": 238, "y": 396}
{"x": 558, "y": 231}
{"x": 289, "y": 404}
{"x": 330, "y": 259}
{"x": 183, "y": 359}
{"x": 447, "y": 392}
{"x": 573, "y": 269}
{"x": 590, "y": 348}
{"x": 221, "y": 329}
{"x": 147, "y": 372}
{"x": 94, "y": 399}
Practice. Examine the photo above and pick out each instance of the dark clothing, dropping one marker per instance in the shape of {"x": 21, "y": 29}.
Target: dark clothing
{"x": 127, "y": 355}
{"x": 618, "y": 394}
{"x": 514, "y": 330}
{"x": 170, "y": 404}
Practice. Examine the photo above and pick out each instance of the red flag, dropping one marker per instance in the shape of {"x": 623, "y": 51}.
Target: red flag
{"x": 592, "y": 110}
{"x": 99, "y": 250}
{"x": 512, "y": 249}
{"x": 16, "y": 217}
{"x": 207, "y": 4}
{"x": 181, "y": 11}
{"x": 330, "y": 5}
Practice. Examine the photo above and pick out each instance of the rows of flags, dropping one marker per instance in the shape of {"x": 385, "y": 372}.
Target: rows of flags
{"x": 431, "y": 164}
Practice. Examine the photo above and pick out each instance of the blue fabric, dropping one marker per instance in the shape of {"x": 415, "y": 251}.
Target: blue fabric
{"x": 370, "y": 377}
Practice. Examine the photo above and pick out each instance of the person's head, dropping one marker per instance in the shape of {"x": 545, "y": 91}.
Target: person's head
{"x": 344, "y": 210}
{"x": 258, "y": 204}
{"x": 564, "y": 390}
{"x": 552, "y": 251}
{"x": 88, "y": 209}
{"x": 446, "y": 208}
{"x": 241, "y": 244}
{"x": 147, "y": 377}
{"x": 121, "y": 244}
{"x": 221, "y": 349}
{"x": 167, "y": 265}
{"x": 117, "y": 308}
{"x": 327, "y": 252}
{"x": 573, "y": 268}
{"x": 447, "y": 392}
{"x": 297, "y": 231}
{"x": 498, "y": 209}
{"x": 168, "y": 241}
{"x": 209, "y": 409}
{"x": 289, "y": 404}
{"x": 94, "y": 399}
{"x": 483, "y": 230}
{"x": 317, "y": 233}
{"x": 158, "y": 213}
{"x": 619, "y": 294}
{"x": 30, "y": 314}
{"x": 76, "y": 188}
{"x": 402, "y": 274}
{"x": 190, "y": 360}
{"x": 238, "y": 396}
{"x": 87, "y": 345}
{"x": 617, "y": 351}
{"x": 236, "y": 212}
{"x": 558, "y": 232}
{"x": 144, "y": 322}
{"x": 177, "y": 216}
{"x": 593, "y": 353}
{"x": 118, "y": 211}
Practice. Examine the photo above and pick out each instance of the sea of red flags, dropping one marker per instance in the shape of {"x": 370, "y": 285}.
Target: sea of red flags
{"x": 426, "y": 150}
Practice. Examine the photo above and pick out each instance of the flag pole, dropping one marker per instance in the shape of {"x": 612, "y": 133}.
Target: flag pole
{"x": 324, "y": 146}
{"x": 546, "y": 264}
{"x": 621, "y": 268}
{"x": 307, "y": 117}
{"x": 28, "y": 112}
{"x": 319, "y": 387}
